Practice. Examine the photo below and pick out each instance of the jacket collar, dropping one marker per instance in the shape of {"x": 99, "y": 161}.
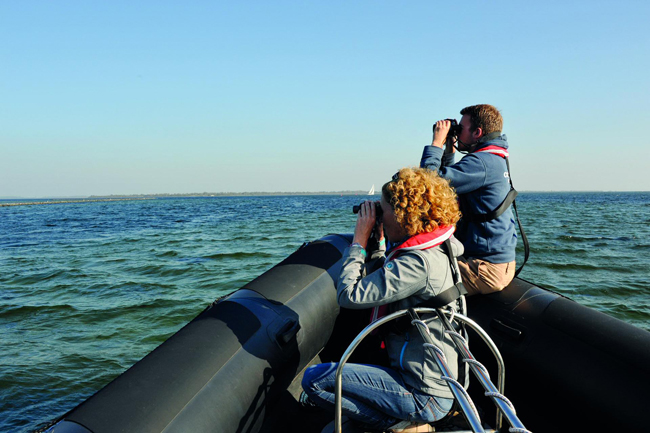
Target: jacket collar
{"x": 499, "y": 141}
{"x": 494, "y": 150}
{"x": 423, "y": 241}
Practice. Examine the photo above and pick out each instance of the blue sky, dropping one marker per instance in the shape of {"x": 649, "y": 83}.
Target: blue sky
{"x": 171, "y": 97}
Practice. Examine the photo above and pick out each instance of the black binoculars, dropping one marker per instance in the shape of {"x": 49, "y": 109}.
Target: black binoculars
{"x": 378, "y": 211}
{"x": 454, "y": 129}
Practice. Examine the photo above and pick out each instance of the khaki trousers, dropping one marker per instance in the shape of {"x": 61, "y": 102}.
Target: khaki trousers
{"x": 484, "y": 277}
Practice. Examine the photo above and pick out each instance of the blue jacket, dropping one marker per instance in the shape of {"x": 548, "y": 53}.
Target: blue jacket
{"x": 481, "y": 182}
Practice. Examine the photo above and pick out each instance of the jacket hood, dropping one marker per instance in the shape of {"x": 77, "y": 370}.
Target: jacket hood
{"x": 501, "y": 141}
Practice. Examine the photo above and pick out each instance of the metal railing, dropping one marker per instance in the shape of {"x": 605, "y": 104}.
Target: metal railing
{"x": 504, "y": 407}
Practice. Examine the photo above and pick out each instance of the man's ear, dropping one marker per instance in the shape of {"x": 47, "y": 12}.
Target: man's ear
{"x": 478, "y": 133}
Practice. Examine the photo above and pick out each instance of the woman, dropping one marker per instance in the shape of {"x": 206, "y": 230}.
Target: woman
{"x": 420, "y": 211}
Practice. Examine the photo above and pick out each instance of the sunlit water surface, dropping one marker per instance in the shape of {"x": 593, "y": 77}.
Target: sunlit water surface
{"x": 88, "y": 289}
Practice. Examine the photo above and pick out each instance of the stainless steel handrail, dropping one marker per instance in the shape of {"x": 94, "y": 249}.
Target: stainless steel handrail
{"x": 465, "y": 404}
{"x": 501, "y": 368}
{"x": 503, "y": 404}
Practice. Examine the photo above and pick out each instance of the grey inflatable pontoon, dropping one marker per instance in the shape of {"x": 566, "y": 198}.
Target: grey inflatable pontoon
{"x": 237, "y": 366}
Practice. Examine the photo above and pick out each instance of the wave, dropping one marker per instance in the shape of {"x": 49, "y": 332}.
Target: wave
{"x": 553, "y": 250}
{"x": 116, "y": 260}
{"x": 156, "y": 339}
{"x": 580, "y": 268}
{"x": 18, "y": 244}
{"x": 161, "y": 270}
{"x": 129, "y": 317}
{"x": 44, "y": 276}
{"x": 150, "y": 304}
{"x": 625, "y": 312}
{"x": 90, "y": 312}
{"x": 239, "y": 255}
{"x": 585, "y": 238}
{"x": 23, "y": 311}
{"x": 570, "y": 266}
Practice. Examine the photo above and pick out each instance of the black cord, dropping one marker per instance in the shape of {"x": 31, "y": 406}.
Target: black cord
{"x": 464, "y": 152}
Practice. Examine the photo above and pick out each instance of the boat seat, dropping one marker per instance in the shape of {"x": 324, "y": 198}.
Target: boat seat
{"x": 463, "y": 403}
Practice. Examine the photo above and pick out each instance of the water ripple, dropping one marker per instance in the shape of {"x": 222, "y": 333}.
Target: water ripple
{"x": 89, "y": 289}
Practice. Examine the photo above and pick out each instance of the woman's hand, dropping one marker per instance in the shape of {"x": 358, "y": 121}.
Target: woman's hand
{"x": 365, "y": 222}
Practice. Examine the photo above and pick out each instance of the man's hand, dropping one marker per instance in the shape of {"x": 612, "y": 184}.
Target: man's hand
{"x": 365, "y": 223}
{"x": 440, "y": 132}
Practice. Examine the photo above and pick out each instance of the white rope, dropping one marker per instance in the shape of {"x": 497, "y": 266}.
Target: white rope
{"x": 456, "y": 334}
{"x": 479, "y": 365}
{"x": 437, "y": 349}
{"x": 422, "y": 324}
{"x": 451, "y": 380}
{"x": 450, "y": 312}
{"x": 501, "y": 397}
{"x": 452, "y": 315}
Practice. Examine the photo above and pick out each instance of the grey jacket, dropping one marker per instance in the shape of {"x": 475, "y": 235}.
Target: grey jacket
{"x": 409, "y": 279}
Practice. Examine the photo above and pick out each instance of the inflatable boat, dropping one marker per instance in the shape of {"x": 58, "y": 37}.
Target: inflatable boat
{"x": 237, "y": 366}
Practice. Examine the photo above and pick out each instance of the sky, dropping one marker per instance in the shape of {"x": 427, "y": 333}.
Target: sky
{"x": 145, "y": 97}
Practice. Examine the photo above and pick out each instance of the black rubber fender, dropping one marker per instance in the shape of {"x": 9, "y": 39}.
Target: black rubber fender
{"x": 221, "y": 372}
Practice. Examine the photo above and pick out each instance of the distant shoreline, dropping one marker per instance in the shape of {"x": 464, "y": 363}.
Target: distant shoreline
{"x": 6, "y": 202}
{"x": 32, "y": 203}
{"x": 95, "y": 199}
{"x": 232, "y": 194}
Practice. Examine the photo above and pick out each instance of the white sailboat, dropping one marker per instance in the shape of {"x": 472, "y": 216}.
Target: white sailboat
{"x": 372, "y": 190}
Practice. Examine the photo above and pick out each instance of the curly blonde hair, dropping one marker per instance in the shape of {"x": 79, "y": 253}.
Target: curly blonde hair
{"x": 422, "y": 200}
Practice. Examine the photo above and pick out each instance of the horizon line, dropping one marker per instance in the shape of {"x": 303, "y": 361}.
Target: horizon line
{"x": 264, "y": 193}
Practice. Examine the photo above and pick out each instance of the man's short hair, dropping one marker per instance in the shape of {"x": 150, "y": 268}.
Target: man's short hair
{"x": 484, "y": 116}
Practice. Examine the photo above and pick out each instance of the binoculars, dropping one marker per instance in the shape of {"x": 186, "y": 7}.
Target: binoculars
{"x": 378, "y": 211}
{"x": 454, "y": 129}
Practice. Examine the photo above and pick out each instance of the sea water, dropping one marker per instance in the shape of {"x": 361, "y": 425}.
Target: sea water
{"x": 88, "y": 289}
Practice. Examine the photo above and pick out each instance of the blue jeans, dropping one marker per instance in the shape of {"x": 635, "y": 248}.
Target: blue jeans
{"x": 375, "y": 396}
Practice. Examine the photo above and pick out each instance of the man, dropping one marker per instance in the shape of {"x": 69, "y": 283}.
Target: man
{"x": 481, "y": 180}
